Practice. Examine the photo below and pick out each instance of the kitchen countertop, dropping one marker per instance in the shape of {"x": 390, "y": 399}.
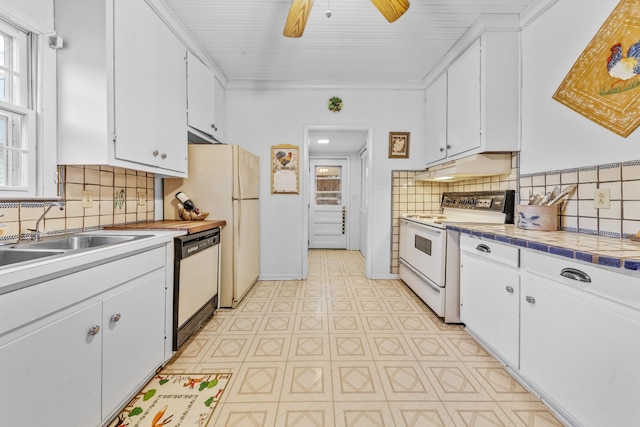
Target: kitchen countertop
{"x": 189, "y": 226}
{"x": 601, "y": 250}
{"x": 21, "y": 275}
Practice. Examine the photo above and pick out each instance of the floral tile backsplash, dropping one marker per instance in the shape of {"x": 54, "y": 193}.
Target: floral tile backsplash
{"x": 118, "y": 196}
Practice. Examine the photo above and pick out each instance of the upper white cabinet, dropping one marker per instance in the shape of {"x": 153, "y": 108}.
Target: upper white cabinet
{"x": 481, "y": 100}
{"x": 121, "y": 87}
{"x": 436, "y": 121}
{"x": 205, "y": 99}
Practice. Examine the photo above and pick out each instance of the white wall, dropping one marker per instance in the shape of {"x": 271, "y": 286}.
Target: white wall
{"x": 258, "y": 119}
{"x": 554, "y": 136}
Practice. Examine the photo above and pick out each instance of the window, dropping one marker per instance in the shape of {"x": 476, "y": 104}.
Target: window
{"x": 17, "y": 115}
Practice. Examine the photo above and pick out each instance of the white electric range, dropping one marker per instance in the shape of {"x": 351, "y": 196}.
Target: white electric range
{"x": 430, "y": 255}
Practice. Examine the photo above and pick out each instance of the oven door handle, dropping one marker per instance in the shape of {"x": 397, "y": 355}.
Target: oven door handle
{"x": 415, "y": 271}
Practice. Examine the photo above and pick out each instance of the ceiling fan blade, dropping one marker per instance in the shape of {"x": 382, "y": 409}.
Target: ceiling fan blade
{"x": 297, "y": 18}
{"x": 391, "y": 9}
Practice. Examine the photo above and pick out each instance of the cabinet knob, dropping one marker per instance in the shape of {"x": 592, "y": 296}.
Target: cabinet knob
{"x": 442, "y": 149}
{"x": 448, "y": 147}
{"x": 163, "y": 156}
{"x": 530, "y": 300}
{"x": 509, "y": 289}
{"x": 214, "y": 127}
{"x": 155, "y": 153}
{"x": 94, "y": 330}
{"x": 116, "y": 317}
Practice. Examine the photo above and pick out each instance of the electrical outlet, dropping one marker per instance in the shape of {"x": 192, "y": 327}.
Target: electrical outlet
{"x": 87, "y": 199}
{"x": 142, "y": 198}
{"x": 602, "y": 198}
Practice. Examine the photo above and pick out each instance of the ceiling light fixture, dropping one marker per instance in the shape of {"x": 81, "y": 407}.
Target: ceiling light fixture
{"x": 323, "y": 141}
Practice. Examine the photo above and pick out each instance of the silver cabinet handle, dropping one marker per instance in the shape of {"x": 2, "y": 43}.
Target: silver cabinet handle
{"x": 509, "y": 289}
{"x": 95, "y": 330}
{"x": 575, "y": 274}
{"x": 530, "y": 300}
{"x": 155, "y": 153}
{"x": 116, "y": 317}
{"x": 483, "y": 248}
{"x": 163, "y": 156}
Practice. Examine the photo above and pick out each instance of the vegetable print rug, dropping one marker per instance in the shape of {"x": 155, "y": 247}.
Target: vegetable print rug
{"x": 179, "y": 400}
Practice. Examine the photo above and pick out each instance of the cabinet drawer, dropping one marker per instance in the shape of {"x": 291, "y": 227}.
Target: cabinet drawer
{"x": 604, "y": 282}
{"x": 491, "y": 250}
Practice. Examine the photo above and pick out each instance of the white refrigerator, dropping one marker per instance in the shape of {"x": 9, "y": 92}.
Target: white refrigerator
{"x": 224, "y": 181}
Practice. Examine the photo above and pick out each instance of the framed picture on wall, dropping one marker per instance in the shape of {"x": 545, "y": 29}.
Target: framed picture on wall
{"x": 604, "y": 83}
{"x": 284, "y": 169}
{"x": 398, "y": 145}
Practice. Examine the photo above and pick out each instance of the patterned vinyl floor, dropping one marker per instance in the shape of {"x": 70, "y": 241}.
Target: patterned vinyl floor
{"x": 339, "y": 349}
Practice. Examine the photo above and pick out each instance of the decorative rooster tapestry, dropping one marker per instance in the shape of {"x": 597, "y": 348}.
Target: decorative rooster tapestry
{"x": 604, "y": 83}
{"x": 284, "y": 169}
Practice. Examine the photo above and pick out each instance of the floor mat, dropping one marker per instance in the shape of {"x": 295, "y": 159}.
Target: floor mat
{"x": 185, "y": 399}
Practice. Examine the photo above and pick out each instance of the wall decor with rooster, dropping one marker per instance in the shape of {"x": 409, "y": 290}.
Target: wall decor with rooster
{"x": 604, "y": 83}
{"x": 284, "y": 169}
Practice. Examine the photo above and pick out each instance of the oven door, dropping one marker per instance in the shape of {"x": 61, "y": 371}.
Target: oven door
{"x": 424, "y": 248}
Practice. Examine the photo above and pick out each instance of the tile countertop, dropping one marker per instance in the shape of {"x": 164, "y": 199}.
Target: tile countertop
{"x": 601, "y": 250}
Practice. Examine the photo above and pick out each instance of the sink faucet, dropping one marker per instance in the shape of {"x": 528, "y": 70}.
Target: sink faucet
{"x": 36, "y": 233}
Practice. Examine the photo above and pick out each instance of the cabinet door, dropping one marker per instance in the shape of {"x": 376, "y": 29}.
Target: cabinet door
{"x": 489, "y": 305}
{"x": 52, "y": 375}
{"x": 436, "y": 120}
{"x": 220, "y": 111}
{"x": 464, "y": 102}
{"x": 150, "y": 89}
{"x": 133, "y": 339}
{"x": 200, "y": 95}
{"x": 582, "y": 351}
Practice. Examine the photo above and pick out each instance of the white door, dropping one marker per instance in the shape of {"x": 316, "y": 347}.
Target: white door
{"x": 328, "y": 205}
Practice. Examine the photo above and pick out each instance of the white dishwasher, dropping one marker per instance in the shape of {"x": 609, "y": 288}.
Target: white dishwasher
{"x": 196, "y": 282}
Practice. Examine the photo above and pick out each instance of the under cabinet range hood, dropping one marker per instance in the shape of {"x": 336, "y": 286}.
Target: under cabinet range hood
{"x": 476, "y": 165}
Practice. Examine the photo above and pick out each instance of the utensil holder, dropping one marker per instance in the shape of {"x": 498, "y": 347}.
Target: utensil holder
{"x": 542, "y": 218}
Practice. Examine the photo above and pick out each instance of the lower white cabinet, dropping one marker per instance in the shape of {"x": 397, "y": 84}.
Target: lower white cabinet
{"x": 53, "y": 372}
{"x": 74, "y": 349}
{"x": 580, "y": 342}
{"x": 490, "y": 295}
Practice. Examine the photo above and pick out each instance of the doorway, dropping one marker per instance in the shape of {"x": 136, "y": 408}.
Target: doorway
{"x": 351, "y": 143}
{"x": 329, "y": 203}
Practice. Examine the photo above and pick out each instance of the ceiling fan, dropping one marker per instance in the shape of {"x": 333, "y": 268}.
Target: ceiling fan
{"x": 300, "y": 9}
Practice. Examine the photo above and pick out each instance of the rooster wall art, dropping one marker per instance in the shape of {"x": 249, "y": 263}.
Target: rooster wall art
{"x": 604, "y": 83}
{"x": 623, "y": 68}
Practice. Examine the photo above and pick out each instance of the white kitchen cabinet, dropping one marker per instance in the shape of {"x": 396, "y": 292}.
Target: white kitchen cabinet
{"x": 490, "y": 295}
{"x": 133, "y": 341}
{"x": 53, "y": 372}
{"x": 579, "y": 340}
{"x": 121, "y": 87}
{"x": 482, "y": 99}
{"x": 436, "y": 120}
{"x": 64, "y": 355}
{"x": 205, "y": 99}
{"x": 220, "y": 110}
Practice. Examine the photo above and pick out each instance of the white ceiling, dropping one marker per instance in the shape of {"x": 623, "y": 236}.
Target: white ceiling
{"x": 355, "y": 46}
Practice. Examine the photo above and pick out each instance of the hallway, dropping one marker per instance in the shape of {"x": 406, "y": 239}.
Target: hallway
{"x": 339, "y": 349}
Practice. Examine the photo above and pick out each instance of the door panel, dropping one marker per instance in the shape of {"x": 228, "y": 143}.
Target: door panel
{"x": 246, "y": 176}
{"x": 328, "y": 206}
{"x": 246, "y": 229}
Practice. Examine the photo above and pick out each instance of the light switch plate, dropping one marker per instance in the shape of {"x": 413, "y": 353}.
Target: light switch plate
{"x": 602, "y": 198}
{"x": 142, "y": 198}
{"x": 87, "y": 199}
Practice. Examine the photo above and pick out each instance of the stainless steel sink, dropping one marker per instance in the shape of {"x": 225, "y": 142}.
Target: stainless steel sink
{"x": 13, "y": 256}
{"x": 83, "y": 241}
